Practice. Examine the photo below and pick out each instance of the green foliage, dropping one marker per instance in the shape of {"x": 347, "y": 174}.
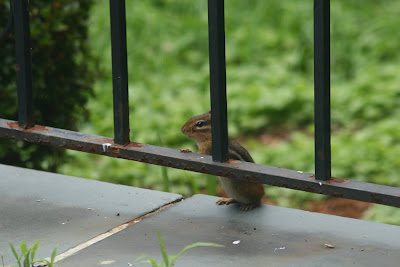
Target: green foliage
{"x": 27, "y": 255}
{"x": 384, "y": 214}
{"x": 60, "y": 72}
{"x": 169, "y": 260}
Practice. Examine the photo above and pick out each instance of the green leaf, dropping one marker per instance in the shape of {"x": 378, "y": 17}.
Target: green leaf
{"x": 15, "y": 254}
{"x": 24, "y": 249}
{"x": 33, "y": 249}
{"x": 154, "y": 262}
{"x": 198, "y": 244}
{"x": 149, "y": 260}
{"x": 27, "y": 262}
{"x": 59, "y": 264}
{"x": 143, "y": 256}
{"x": 170, "y": 257}
{"x": 162, "y": 247}
{"x": 48, "y": 263}
{"x": 53, "y": 255}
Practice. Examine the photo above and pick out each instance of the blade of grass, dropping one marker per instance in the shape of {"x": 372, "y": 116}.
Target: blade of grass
{"x": 27, "y": 261}
{"x": 162, "y": 247}
{"x": 16, "y": 255}
{"x": 153, "y": 262}
{"x": 150, "y": 260}
{"x": 198, "y": 244}
{"x": 53, "y": 255}
{"x": 40, "y": 260}
{"x": 143, "y": 256}
{"x": 33, "y": 249}
{"x": 24, "y": 249}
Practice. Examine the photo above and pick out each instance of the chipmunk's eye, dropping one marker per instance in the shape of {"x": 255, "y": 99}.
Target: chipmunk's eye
{"x": 200, "y": 124}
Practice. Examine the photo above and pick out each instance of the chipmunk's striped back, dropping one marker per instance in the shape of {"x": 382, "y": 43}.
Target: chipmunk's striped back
{"x": 247, "y": 193}
{"x": 236, "y": 151}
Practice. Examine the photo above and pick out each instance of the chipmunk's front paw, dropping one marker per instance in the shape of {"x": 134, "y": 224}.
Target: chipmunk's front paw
{"x": 225, "y": 201}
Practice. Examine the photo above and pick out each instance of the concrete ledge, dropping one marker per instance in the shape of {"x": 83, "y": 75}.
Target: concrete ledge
{"x": 69, "y": 211}
{"x": 266, "y": 236}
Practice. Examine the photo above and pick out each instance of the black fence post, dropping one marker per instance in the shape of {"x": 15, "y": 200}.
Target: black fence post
{"x": 24, "y": 63}
{"x": 216, "y": 30}
{"x": 322, "y": 107}
{"x": 119, "y": 71}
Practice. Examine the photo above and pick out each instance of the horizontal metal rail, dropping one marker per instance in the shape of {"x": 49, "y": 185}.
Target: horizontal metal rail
{"x": 246, "y": 171}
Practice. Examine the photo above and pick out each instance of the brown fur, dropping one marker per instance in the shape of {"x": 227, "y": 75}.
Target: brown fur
{"x": 247, "y": 193}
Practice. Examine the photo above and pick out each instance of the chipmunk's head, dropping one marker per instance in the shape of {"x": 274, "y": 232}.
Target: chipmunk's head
{"x": 198, "y": 128}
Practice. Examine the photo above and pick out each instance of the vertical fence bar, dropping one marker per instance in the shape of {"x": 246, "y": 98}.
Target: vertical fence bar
{"x": 24, "y": 63}
{"x": 216, "y": 37}
{"x": 119, "y": 71}
{"x": 322, "y": 89}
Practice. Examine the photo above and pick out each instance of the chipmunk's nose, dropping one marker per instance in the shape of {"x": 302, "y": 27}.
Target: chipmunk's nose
{"x": 185, "y": 131}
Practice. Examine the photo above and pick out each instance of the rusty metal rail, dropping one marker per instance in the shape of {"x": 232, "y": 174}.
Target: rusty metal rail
{"x": 121, "y": 147}
{"x": 201, "y": 163}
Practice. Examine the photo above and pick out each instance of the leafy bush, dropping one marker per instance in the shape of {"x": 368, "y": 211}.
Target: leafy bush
{"x": 62, "y": 79}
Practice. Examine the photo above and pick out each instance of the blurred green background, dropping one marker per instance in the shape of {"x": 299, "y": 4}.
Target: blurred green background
{"x": 269, "y": 53}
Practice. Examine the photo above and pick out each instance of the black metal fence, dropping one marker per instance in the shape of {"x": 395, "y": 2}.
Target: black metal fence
{"x": 121, "y": 147}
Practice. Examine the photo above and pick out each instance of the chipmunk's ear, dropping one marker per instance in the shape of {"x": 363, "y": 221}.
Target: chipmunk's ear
{"x": 209, "y": 112}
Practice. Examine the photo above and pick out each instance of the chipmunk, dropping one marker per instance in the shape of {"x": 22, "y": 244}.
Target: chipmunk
{"x": 248, "y": 194}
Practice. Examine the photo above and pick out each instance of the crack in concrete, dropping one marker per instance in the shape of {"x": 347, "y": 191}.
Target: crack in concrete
{"x": 111, "y": 232}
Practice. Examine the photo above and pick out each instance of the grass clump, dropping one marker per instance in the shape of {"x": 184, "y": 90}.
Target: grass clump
{"x": 27, "y": 256}
{"x": 169, "y": 260}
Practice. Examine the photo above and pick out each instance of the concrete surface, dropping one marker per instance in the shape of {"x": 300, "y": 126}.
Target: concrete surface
{"x": 73, "y": 210}
{"x": 266, "y": 236}
{"x": 63, "y": 210}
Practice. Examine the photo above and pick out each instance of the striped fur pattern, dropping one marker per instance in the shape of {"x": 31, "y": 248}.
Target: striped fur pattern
{"x": 248, "y": 194}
